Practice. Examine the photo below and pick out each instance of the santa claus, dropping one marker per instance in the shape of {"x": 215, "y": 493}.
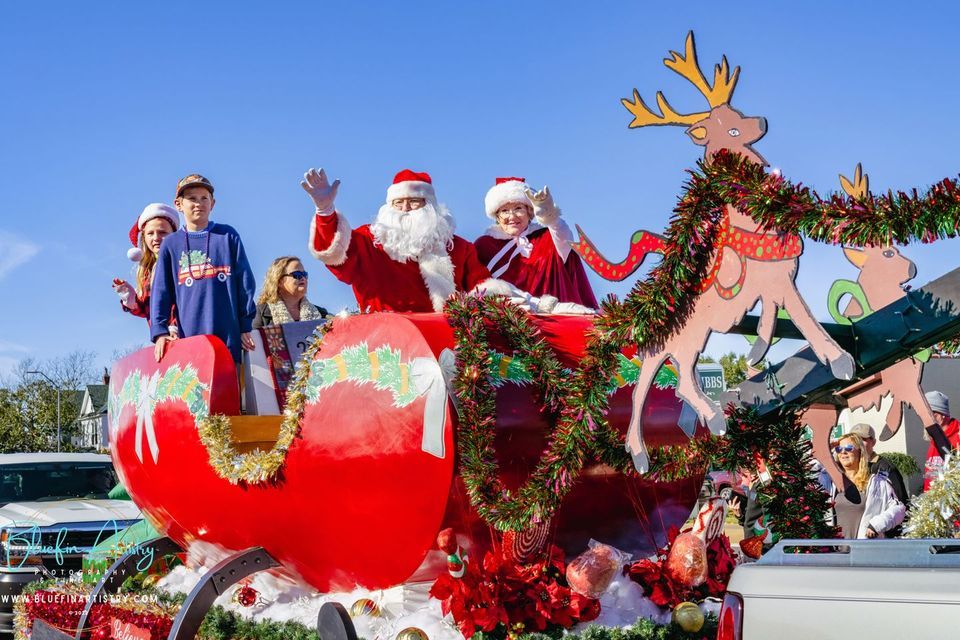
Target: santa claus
{"x": 409, "y": 259}
{"x": 529, "y": 244}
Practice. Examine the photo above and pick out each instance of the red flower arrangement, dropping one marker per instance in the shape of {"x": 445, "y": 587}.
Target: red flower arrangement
{"x": 503, "y": 597}
{"x": 664, "y": 591}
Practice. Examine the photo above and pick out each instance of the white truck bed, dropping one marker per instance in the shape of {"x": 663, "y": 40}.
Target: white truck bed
{"x": 869, "y": 588}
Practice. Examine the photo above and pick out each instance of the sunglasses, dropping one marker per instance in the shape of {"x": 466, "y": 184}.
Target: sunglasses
{"x": 299, "y": 275}
{"x": 844, "y": 447}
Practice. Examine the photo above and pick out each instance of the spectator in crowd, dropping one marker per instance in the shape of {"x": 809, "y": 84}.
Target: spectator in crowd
{"x": 940, "y": 406}
{"x": 284, "y": 297}
{"x": 203, "y": 270}
{"x": 879, "y": 464}
{"x": 155, "y": 223}
{"x": 869, "y": 508}
{"x": 529, "y": 244}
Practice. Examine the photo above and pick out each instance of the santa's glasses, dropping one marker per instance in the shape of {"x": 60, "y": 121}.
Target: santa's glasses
{"x": 411, "y": 204}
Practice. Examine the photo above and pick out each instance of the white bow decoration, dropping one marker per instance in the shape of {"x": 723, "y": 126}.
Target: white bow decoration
{"x": 145, "y": 404}
{"x": 427, "y": 378}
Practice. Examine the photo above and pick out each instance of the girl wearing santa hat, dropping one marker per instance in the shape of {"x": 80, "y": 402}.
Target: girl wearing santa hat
{"x": 153, "y": 225}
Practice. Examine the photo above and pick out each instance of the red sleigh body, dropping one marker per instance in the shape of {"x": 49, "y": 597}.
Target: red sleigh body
{"x": 358, "y": 501}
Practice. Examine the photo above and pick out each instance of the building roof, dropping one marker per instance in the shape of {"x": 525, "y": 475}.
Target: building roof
{"x": 98, "y": 400}
{"x": 98, "y": 395}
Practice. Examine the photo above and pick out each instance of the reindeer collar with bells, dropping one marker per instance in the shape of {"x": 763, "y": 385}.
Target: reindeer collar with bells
{"x": 748, "y": 245}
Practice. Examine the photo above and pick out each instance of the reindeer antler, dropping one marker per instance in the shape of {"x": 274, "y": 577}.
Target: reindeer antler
{"x": 644, "y": 116}
{"x": 687, "y": 66}
{"x": 860, "y": 186}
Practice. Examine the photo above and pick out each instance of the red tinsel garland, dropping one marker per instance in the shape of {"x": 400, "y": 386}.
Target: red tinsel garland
{"x": 63, "y": 611}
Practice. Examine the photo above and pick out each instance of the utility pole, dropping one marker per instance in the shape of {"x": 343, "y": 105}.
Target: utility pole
{"x": 41, "y": 373}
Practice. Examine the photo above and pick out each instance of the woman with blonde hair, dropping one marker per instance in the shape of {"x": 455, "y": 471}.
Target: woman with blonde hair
{"x": 870, "y": 507}
{"x": 155, "y": 223}
{"x": 284, "y": 297}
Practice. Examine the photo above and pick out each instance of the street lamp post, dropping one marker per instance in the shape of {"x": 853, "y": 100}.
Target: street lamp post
{"x": 41, "y": 373}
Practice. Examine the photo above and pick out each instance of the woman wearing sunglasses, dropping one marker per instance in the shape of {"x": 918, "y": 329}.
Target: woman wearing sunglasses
{"x": 284, "y": 297}
{"x": 869, "y": 508}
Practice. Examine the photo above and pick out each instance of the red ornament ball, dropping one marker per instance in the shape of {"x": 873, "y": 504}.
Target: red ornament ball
{"x": 687, "y": 560}
{"x": 590, "y": 573}
{"x": 247, "y": 596}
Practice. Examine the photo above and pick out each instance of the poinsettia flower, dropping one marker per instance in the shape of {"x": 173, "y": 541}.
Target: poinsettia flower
{"x": 488, "y": 616}
{"x": 588, "y": 608}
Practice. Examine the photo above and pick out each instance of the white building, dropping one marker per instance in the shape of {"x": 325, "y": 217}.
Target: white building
{"x": 92, "y": 432}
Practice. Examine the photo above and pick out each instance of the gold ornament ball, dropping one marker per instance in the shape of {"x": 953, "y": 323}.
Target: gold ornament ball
{"x": 151, "y": 580}
{"x": 688, "y": 617}
{"x": 364, "y": 607}
{"x": 412, "y": 633}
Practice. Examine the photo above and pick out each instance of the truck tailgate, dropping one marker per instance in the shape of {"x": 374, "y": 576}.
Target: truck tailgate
{"x": 835, "y": 602}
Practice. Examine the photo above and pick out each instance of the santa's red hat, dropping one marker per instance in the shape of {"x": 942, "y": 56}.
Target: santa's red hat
{"x": 505, "y": 191}
{"x": 411, "y": 184}
{"x": 151, "y": 211}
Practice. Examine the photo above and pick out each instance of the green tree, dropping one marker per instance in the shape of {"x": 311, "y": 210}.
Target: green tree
{"x": 28, "y": 402}
{"x": 734, "y": 368}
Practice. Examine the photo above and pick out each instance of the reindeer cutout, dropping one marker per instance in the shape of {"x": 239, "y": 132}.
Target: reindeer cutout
{"x": 749, "y": 266}
{"x": 881, "y": 280}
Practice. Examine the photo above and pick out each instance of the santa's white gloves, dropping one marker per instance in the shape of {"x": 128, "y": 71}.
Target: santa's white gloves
{"x": 127, "y": 294}
{"x": 547, "y": 304}
{"x": 322, "y": 193}
{"x": 572, "y": 308}
{"x": 544, "y": 209}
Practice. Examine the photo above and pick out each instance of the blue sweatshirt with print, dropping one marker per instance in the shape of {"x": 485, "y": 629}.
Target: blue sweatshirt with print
{"x": 205, "y": 275}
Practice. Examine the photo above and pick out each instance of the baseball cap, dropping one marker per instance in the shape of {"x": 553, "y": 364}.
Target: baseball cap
{"x": 865, "y": 431}
{"x": 194, "y": 180}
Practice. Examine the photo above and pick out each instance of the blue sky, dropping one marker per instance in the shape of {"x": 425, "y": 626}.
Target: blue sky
{"x": 107, "y": 105}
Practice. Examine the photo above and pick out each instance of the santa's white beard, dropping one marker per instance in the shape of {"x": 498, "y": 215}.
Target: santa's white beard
{"x": 410, "y": 235}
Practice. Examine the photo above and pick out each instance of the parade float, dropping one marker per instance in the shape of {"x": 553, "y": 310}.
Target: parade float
{"x": 484, "y": 470}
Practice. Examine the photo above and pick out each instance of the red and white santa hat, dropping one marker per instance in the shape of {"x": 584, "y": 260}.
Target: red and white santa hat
{"x": 411, "y": 184}
{"x": 505, "y": 191}
{"x": 151, "y": 211}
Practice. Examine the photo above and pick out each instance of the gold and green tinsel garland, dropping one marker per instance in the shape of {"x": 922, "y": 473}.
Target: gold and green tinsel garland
{"x": 936, "y": 512}
{"x": 262, "y": 466}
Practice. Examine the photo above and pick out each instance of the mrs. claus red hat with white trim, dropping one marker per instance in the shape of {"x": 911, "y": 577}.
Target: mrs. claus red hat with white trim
{"x": 505, "y": 191}
{"x": 151, "y": 211}
{"x": 411, "y": 184}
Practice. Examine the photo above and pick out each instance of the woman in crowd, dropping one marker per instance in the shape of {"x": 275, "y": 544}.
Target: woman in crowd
{"x": 284, "y": 297}
{"x": 155, "y": 223}
{"x": 529, "y": 244}
{"x": 870, "y": 507}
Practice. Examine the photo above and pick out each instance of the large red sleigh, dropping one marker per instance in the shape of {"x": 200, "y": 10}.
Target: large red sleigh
{"x": 372, "y": 476}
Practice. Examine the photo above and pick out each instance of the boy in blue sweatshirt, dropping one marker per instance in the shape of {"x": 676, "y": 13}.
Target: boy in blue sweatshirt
{"x": 203, "y": 274}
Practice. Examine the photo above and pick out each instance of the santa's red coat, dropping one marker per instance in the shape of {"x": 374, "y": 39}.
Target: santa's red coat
{"x": 381, "y": 283}
{"x": 543, "y": 271}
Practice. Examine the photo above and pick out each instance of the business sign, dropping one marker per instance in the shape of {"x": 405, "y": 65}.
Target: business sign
{"x": 711, "y": 380}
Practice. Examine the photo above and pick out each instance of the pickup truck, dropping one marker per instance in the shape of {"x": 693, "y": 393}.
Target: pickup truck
{"x": 858, "y": 589}
{"x": 54, "y": 508}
